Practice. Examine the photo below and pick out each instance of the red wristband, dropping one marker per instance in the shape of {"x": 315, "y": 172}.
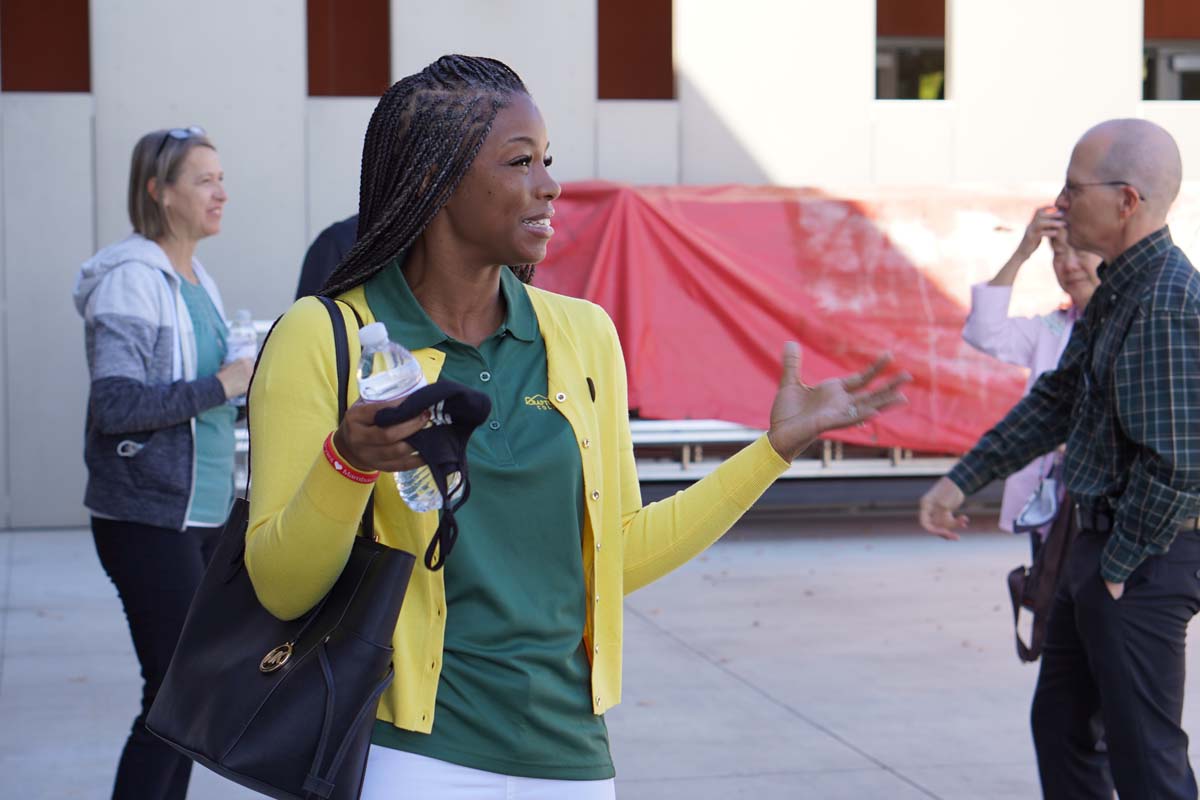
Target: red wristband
{"x": 342, "y": 467}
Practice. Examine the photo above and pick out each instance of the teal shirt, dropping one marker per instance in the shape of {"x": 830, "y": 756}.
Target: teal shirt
{"x": 212, "y": 494}
{"x": 514, "y": 695}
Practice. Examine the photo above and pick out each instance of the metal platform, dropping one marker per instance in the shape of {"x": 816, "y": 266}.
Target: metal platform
{"x": 673, "y": 452}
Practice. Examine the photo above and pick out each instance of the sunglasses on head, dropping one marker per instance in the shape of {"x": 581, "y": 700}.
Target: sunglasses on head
{"x": 179, "y": 134}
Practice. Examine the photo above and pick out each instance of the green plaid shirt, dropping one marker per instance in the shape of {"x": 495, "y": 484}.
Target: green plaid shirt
{"x": 1125, "y": 398}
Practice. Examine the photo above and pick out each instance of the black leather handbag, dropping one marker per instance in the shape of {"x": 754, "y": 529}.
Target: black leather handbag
{"x": 285, "y": 707}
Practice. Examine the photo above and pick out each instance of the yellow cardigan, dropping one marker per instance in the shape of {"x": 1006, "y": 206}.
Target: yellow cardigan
{"x": 304, "y": 515}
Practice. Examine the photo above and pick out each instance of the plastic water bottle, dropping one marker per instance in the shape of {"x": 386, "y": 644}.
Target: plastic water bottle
{"x": 387, "y": 371}
{"x": 241, "y": 342}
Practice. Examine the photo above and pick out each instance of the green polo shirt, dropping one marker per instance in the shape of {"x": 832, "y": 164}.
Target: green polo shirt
{"x": 514, "y": 695}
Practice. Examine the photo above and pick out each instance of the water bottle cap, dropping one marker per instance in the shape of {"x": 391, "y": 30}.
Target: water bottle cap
{"x": 243, "y": 316}
{"x": 373, "y": 335}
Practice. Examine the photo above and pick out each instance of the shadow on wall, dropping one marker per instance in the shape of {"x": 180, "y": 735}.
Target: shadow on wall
{"x": 709, "y": 150}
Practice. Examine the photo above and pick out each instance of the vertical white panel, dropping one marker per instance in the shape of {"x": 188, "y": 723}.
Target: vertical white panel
{"x": 1027, "y": 84}
{"x": 637, "y": 141}
{"x": 552, "y": 46}
{"x": 239, "y": 70}
{"x": 336, "y": 126}
{"x": 775, "y": 92}
{"x": 912, "y": 142}
{"x": 5, "y": 492}
{"x": 1182, "y": 119}
{"x": 49, "y": 231}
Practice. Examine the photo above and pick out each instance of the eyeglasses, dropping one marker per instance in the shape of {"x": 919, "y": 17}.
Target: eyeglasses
{"x": 178, "y": 134}
{"x": 1071, "y": 189}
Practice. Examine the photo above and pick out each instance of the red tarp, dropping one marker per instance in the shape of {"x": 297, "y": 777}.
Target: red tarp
{"x": 706, "y": 284}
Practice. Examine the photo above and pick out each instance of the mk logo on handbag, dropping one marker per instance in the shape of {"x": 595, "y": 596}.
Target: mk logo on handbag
{"x": 276, "y": 658}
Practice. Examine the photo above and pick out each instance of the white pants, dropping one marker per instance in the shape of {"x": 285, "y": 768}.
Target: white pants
{"x": 397, "y": 775}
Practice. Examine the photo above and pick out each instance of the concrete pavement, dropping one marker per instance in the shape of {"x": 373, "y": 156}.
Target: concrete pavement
{"x": 797, "y": 658}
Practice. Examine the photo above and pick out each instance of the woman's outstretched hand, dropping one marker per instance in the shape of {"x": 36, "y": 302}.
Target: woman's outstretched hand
{"x": 801, "y": 412}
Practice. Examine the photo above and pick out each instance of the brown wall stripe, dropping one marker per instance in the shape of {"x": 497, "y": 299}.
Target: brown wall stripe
{"x": 920, "y": 18}
{"x": 1172, "y": 19}
{"x": 44, "y": 46}
{"x": 634, "y": 50}
{"x": 349, "y": 48}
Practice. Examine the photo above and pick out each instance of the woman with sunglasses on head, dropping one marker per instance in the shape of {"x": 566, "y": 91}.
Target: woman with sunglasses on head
{"x": 506, "y": 659}
{"x": 159, "y": 438}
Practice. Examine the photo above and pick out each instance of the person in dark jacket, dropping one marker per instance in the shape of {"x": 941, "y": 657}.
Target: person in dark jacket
{"x": 324, "y": 254}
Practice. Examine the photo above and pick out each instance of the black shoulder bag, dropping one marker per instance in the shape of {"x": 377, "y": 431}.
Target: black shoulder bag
{"x": 285, "y": 707}
{"x": 1033, "y": 587}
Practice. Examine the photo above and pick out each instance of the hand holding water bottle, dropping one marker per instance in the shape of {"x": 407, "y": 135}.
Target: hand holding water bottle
{"x": 387, "y": 374}
{"x": 241, "y": 348}
{"x": 367, "y": 447}
{"x": 235, "y": 378}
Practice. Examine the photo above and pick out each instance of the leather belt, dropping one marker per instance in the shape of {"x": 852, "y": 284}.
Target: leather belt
{"x": 1095, "y": 520}
{"x": 1101, "y": 521}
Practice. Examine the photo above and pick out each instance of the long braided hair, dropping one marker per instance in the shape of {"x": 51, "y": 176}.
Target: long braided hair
{"x": 422, "y": 138}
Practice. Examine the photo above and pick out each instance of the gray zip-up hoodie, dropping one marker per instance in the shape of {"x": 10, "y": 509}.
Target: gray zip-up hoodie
{"x": 141, "y": 350}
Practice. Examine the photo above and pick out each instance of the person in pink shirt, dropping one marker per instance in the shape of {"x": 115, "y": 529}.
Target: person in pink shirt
{"x": 1032, "y": 342}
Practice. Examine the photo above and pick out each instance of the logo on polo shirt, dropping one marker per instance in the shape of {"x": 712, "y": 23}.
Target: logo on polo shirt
{"x": 539, "y": 401}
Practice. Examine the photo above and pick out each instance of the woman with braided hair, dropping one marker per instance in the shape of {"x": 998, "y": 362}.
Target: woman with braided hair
{"x": 508, "y": 658}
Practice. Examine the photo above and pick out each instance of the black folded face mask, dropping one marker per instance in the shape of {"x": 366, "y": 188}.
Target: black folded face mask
{"x": 457, "y": 411}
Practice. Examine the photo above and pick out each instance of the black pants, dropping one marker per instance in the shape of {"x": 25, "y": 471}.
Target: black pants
{"x": 156, "y": 572}
{"x": 1113, "y": 670}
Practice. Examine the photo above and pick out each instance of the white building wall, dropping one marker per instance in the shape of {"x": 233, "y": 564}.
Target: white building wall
{"x": 552, "y": 46}
{"x": 49, "y": 230}
{"x": 768, "y": 92}
{"x": 336, "y": 126}
{"x": 775, "y": 92}
{"x": 1182, "y": 119}
{"x": 912, "y": 142}
{"x": 1026, "y": 81}
{"x": 637, "y": 141}
{"x": 5, "y": 491}
{"x": 239, "y": 70}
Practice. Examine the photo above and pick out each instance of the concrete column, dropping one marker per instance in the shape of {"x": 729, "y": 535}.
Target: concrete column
{"x": 49, "y": 231}
{"x": 239, "y": 70}
{"x": 5, "y": 493}
{"x": 1026, "y": 82}
{"x": 1182, "y": 119}
{"x": 638, "y": 141}
{"x": 775, "y": 92}
{"x": 336, "y": 126}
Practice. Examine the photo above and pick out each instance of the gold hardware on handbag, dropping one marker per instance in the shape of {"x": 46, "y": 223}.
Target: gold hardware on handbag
{"x": 276, "y": 658}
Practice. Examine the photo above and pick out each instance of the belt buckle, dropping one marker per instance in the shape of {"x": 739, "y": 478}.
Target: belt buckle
{"x": 1089, "y": 520}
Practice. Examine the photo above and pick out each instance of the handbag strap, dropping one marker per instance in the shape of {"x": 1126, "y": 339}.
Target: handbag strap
{"x": 341, "y": 352}
{"x": 1017, "y": 580}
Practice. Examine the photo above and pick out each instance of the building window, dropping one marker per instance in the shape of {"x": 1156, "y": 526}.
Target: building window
{"x": 910, "y": 49}
{"x": 1172, "y": 70}
{"x": 44, "y": 46}
{"x": 349, "y": 48}
{"x": 634, "y": 50}
{"x": 1171, "y": 67}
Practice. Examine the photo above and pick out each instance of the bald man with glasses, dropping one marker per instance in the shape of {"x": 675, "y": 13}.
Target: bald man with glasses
{"x": 1125, "y": 398}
